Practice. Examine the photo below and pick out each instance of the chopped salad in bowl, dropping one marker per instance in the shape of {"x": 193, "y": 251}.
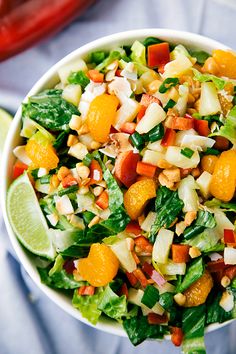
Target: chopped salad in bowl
{"x": 126, "y": 180}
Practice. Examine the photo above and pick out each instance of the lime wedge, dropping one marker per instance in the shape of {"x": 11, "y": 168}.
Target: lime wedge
{"x": 27, "y": 219}
{"x": 5, "y": 122}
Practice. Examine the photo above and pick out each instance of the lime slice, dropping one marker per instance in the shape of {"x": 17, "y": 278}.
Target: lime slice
{"x": 5, "y": 122}
{"x": 27, "y": 219}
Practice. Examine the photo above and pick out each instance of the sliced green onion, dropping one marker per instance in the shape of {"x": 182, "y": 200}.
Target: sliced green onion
{"x": 87, "y": 160}
{"x": 211, "y": 151}
{"x": 168, "y": 83}
{"x": 34, "y": 173}
{"x": 97, "y": 57}
{"x": 45, "y": 179}
{"x": 79, "y": 77}
{"x": 68, "y": 190}
{"x": 170, "y": 104}
{"x": 187, "y": 152}
{"x": 192, "y": 231}
{"x": 88, "y": 216}
{"x": 156, "y": 133}
{"x": 150, "y": 296}
{"x": 137, "y": 140}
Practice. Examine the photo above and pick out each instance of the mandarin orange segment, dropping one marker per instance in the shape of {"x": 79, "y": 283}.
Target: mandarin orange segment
{"x": 208, "y": 163}
{"x": 137, "y": 196}
{"x": 41, "y": 155}
{"x": 197, "y": 293}
{"x": 101, "y": 116}
{"x": 226, "y": 61}
{"x": 101, "y": 265}
{"x": 223, "y": 181}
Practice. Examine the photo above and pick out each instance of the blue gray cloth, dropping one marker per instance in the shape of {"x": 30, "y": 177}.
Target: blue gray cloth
{"x": 30, "y": 323}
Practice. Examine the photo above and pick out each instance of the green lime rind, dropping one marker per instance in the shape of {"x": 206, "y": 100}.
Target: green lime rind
{"x": 27, "y": 219}
{"x": 5, "y": 122}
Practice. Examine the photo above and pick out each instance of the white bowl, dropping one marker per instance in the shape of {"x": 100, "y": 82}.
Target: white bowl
{"x": 49, "y": 79}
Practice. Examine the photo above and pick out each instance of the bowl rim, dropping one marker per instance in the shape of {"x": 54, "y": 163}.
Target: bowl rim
{"x": 188, "y": 38}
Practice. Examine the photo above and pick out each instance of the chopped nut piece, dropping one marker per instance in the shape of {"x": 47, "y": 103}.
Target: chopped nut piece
{"x": 196, "y": 172}
{"x": 83, "y": 190}
{"x": 225, "y": 281}
{"x": 94, "y": 221}
{"x": 83, "y": 130}
{"x": 189, "y": 217}
{"x": 173, "y": 174}
{"x": 72, "y": 140}
{"x": 180, "y": 227}
{"x": 63, "y": 172}
{"x": 180, "y": 299}
{"x": 97, "y": 191}
{"x": 82, "y": 170}
{"x": 75, "y": 122}
{"x": 163, "y": 164}
{"x": 54, "y": 181}
{"x": 194, "y": 252}
{"x": 164, "y": 181}
{"x": 95, "y": 145}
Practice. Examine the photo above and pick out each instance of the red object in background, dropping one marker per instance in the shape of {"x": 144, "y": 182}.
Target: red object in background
{"x": 25, "y": 22}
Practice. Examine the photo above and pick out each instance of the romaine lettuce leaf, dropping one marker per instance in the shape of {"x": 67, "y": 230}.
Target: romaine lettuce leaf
{"x": 60, "y": 279}
{"x": 194, "y": 346}
{"x": 216, "y": 203}
{"x": 228, "y": 130}
{"x": 193, "y": 321}
{"x": 138, "y": 329}
{"x": 215, "y": 313}
{"x": 204, "y": 220}
{"x": 138, "y": 53}
{"x": 168, "y": 205}
{"x": 113, "y": 305}
{"x": 50, "y": 110}
{"x": 88, "y": 305}
{"x": 218, "y": 82}
{"x": 193, "y": 273}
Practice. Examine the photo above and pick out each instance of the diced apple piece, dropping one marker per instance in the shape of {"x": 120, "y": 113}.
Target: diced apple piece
{"x": 73, "y": 66}
{"x": 209, "y": 102}
{"x": 204, "y": 181}
{"x": 154, "y": 115}
{"x": 174, "y": 157}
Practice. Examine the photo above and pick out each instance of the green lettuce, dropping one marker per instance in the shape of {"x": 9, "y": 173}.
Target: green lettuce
{"x": 193, "y": 273}
{"x": 167, "y": 205}
{"x": 88, "y": 305}
{"x": 138, "y": 53}
{"x": 113, "y": 305}
{"x": 228, "y": 130}
{"x": 218, "y": 82}
{"x": 204, "y": 220}
{"x": 216, "y": 203}
{"x": 193, "y": 324}
{"x": 58, "y": 279}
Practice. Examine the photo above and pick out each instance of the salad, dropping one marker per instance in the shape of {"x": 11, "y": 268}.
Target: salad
{"x": 126, "y": 181}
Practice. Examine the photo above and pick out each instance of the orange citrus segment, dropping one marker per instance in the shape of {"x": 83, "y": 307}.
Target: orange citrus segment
{"x": 41, "y": 155}
{"x": 226, "y": 61}
{"x": 137, "y": 196}
{"x": 101, "y": 115}
{"x": 197, "y": 293}
{"x": 101, "y": 265}
{"x": 223, "y": 181}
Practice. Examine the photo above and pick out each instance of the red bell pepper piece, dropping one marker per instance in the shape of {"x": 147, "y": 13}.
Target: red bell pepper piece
{"x": 141, "y": 277}
{"x": 103, "y": 200}
{"x": 86, "y": 290}
{"x": 229, "y": 236}
{"x": 230, "y": 272}
{"x": 125, "y": 167}
{"x": 123, "y": 290}
{"x": 181, "y": 123}
{"x": 18, "y": 169}
{"x": 68, "y": 181}
{"x": 95, "y": 75}
{"x": 180, "y": 253}
{"x": 169, "y": 137}
{"x": 201, "y": 126}
{"x": 146, "y": 169}
{"x": 154, "y": 318}
{"x": 132, "y": 279}
{"x": 95, "y": 172}
{"x": 158, "y": 54}
{"x": 177, "y": 336}
{"x": 141, "y": 113}
{"x": 136, "y": 259}
{"x": 143, "y": 244}
{"x": 216, "y": 266}
{"x": 133, "y": 228}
